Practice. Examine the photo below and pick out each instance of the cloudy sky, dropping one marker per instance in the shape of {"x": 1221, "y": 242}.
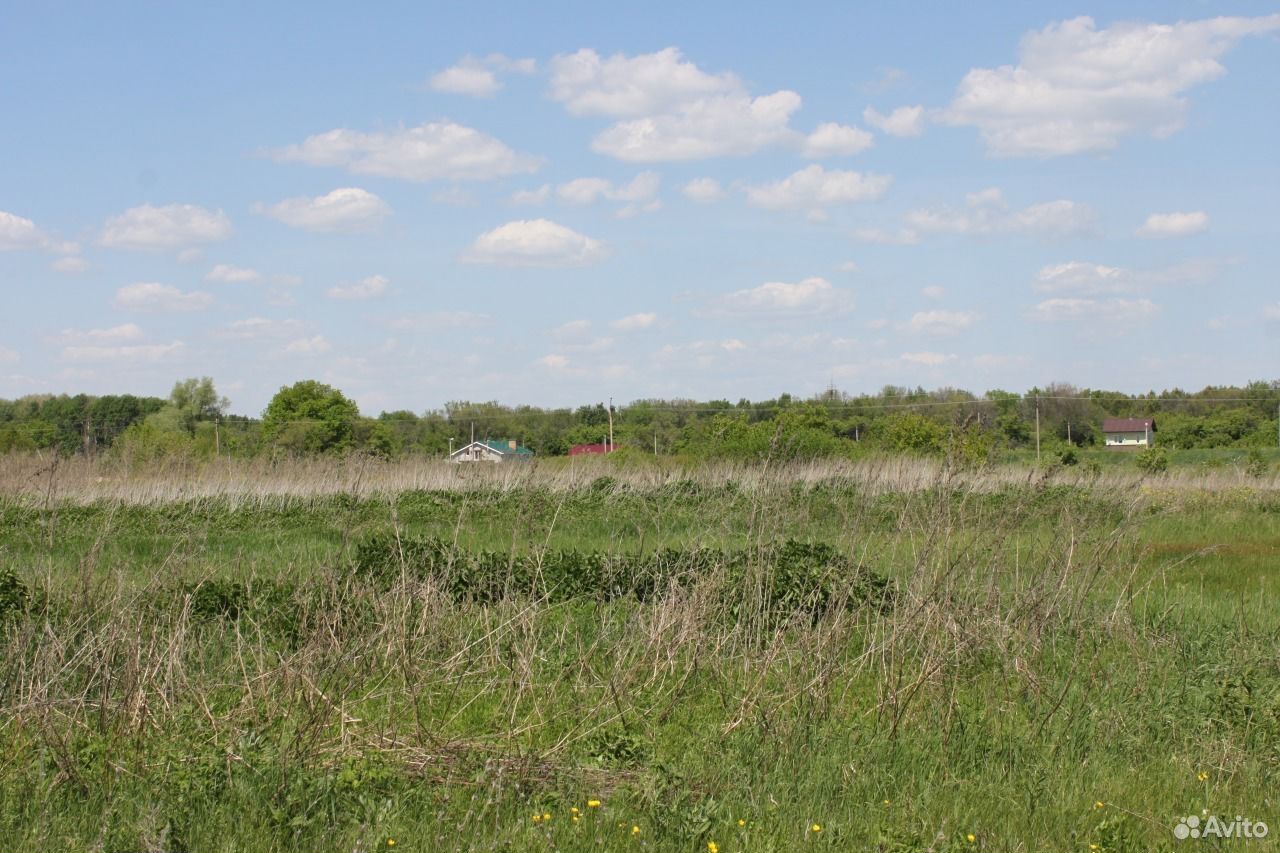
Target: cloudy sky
{"x": 546, "y": 204}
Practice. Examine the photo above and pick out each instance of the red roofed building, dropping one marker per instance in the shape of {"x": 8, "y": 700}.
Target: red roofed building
{"x": 588, "y": 449}
{"x": 1129, "y": 433}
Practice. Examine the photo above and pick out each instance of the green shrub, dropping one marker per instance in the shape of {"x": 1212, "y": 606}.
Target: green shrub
{"x": 1153, "y": 460}
{"x": 780, "y": 580}
{"x": 13, "y": 593}
{"x": 217, "y": 598}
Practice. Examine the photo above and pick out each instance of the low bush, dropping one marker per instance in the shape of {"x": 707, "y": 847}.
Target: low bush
{"x": 1153, "y": 460}
{"x": 779, "y": 579}
{"x": 13, "y": 593}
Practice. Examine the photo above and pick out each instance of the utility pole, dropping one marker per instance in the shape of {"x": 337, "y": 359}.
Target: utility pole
{"x": 217, "y": 438}
{"x": 655, "y": 443}
{"x": 473, "y": 432}
{"x": 610, "y": 450}
{"x": 1037, "y": 430}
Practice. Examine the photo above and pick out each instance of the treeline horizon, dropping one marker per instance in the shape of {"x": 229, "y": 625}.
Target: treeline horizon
{"x": 309, "y": 417}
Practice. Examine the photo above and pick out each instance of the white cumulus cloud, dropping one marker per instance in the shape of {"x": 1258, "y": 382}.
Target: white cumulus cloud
{"x": 573, "y": 329}
{"x": 941, "y": 322}
{"x": 815, "y": 188}
{"x": 344, "y": 209}
{"x": 114, "y": 334}
{"x": 262, "y": 327}
{"x": 172, "y": 226}
{"x": 1082, "y": 278}
{"x": 308, "y": 346}
{"x": 1078, "y": 88}
{"x": 1113, "y": 310}
{"x": 533, "y": 198}
{"x": 635, "y": 321}
{"x": 440, "y": 150}
{"x": 535, "y": 242}
{"x": 554, "y": 361}
{"x": 669, "y": 109}
{"x": 18, "y": 232}
{"x": 642, "y": 188}
{"x": 727, "y": 125}
{"x": 904, "y": 121}
{"x": 807, "y": 298}
{"x": 365, "y": 288}
{"x": 987, "y": 213}
{"x": 152, "y": 296}
{"x": 1174, "y": 224}
{"x": 834, "y": 140}
{"x": 478, "y": 77}
{"x": 231, "y": 274}
{"x": 703, "y": 190}
{"x": 640, "y": 85}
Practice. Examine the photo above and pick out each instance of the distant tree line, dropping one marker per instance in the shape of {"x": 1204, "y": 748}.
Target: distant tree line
{"x": 310, "y": 418}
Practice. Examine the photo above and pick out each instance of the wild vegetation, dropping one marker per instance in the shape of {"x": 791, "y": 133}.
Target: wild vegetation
{"x": 628, "y": 654}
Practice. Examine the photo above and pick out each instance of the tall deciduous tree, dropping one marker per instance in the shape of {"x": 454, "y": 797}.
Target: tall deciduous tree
{"x": 310, "y": 417}
{"x": 196, "y": 400}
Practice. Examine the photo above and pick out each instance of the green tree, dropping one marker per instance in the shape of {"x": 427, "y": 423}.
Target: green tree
{"x": 310, "y": 417}
{"x": 196, "y": 400}
{"x": 913, "y": 432}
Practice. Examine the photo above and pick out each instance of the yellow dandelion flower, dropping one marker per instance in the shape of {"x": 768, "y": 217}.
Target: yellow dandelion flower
{"x": 712, "y": 847}
{"x": 886, "y": 802}
{"x": 391, "y": 842}
{"x": 1099, "y": 804}
{"x": 635, "y": 830}
{"x": 575, "y": 818}
{"x": 546, "y": 815}
{"x": 573, "y": 810}
{"x": 537, "y": 818}
{"x": 1202, "y": 776}
{"x": 741, "y": 822}
{"x": 593, "y": 804}
{"x": 970, "y": 838}
{"x": 817, "y": 827}
{"x": 1093, "y": 847}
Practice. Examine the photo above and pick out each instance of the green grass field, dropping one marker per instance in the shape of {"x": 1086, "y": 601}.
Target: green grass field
{"x": 759, "y": 659}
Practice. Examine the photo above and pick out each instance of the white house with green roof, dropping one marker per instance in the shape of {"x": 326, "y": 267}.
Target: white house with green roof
{"x": 491, "y": 451}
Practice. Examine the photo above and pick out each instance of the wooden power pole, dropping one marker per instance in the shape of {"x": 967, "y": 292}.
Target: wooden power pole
{"x": 1037, "y": 430}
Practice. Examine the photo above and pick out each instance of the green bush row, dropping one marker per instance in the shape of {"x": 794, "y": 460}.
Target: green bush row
{"x": 776, "y": 580}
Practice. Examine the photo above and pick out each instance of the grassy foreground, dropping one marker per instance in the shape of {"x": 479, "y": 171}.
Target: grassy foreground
{"x": 753, "y": 659}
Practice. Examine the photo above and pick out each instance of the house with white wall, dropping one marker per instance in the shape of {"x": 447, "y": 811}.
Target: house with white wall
{"x": 491, "y": 451}
{"x": 1129, "y": 433}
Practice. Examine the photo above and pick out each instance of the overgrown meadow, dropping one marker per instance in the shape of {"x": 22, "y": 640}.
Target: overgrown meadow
{"x": 886, "y": 655}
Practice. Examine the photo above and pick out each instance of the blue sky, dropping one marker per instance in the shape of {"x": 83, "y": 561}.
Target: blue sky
{"x": 555, "y": 205}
